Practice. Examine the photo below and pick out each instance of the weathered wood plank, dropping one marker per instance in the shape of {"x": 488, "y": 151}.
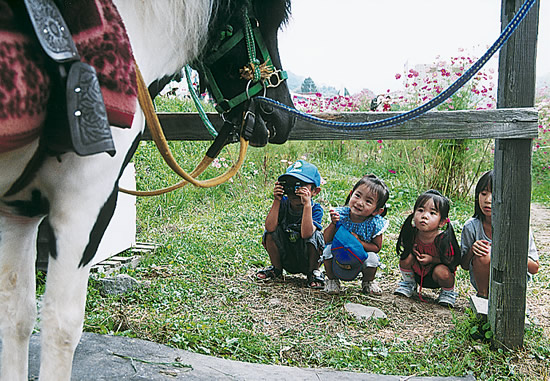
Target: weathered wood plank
{"x": 433, "y": 125}
{"x": 511, "y": 205}
{"x": 512, "y": 185}
{"x": 478, "y": 124}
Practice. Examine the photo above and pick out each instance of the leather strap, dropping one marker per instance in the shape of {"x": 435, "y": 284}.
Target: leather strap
{"x": 51, "y": 30}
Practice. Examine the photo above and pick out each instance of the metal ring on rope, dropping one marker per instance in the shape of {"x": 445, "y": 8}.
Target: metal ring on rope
{"x": 160, "y": 140}
{"x": 440, "y": 98}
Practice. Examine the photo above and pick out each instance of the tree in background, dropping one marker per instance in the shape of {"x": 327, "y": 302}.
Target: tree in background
{"x": 308, "y": 86}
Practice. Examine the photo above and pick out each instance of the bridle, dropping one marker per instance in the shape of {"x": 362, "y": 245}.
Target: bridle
{"x": 260, "y": 76}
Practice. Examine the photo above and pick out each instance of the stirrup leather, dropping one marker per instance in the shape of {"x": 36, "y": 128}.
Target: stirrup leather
{"x": 87, "y": 117}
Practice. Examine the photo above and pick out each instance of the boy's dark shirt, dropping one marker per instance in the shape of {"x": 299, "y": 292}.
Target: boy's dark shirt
{"x": 290, "y": 219}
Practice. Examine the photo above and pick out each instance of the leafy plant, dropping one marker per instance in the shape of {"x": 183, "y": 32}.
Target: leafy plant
{"x": 481, "y": 331}
{"x": 450, "y": 166}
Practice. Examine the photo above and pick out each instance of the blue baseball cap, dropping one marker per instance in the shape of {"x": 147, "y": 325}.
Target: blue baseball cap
{"x": 302, "y": 170}
{"x": 346, "y": 265}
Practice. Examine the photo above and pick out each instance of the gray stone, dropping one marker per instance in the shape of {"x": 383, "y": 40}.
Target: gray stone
{"x": 363, "y": 313}
{"x": 110, "y": 358}
{"x": 121, "y": 284}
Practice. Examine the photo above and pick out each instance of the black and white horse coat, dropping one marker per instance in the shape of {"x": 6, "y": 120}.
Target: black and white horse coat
{"x": 78, "y": 194}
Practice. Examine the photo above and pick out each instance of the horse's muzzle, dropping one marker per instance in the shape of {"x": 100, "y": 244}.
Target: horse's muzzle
{"x": 271, "y": 125}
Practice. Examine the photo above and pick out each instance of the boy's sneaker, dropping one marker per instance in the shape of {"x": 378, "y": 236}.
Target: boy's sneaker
{"x": 447, "y": 298}
{"x": 371, "y": 287}
{"x": 332, "y": 286}
{"x": 406, "y": 289}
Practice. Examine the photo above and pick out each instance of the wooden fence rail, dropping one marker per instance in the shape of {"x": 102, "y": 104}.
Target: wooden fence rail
{"x": 516, "y": 123}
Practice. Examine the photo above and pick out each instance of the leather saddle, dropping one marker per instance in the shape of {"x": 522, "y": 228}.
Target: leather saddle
{"x": 79, "y": 124}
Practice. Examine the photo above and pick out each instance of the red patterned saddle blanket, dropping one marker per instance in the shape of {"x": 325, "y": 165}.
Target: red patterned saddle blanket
{"x": 102, "y": 42}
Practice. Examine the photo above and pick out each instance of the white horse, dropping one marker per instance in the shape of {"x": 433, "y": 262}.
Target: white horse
{"x": 78, "y": 193}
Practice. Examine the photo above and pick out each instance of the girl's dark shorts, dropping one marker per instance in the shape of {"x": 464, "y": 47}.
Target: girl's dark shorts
{"x": 427, "y": 281}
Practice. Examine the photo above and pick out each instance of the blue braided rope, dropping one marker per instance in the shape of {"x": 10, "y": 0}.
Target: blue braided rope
{"x": 440, "y": 98}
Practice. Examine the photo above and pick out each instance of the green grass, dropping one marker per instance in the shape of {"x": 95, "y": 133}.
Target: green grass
{"x": 199, "y": 293}
{"x": 199, "y": 296}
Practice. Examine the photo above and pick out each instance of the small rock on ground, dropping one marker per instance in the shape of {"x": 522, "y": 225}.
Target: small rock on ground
{"x": 363, "y": 313}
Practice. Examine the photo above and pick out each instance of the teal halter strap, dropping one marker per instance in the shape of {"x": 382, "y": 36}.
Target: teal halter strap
{"x": 253, "y": 62}
{"x": 198, "y": 104}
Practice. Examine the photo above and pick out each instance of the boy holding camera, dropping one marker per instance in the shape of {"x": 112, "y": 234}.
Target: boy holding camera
{"x": 293, "y": 237}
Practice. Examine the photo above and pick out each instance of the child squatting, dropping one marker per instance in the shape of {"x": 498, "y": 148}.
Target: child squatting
{"x": 348, "y": 247}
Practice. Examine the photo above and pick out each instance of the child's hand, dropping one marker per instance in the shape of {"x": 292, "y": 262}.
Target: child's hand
{"x": 422, "y": 258}
{"x": 278, "y": 191}
{"x": 305, "y": 194}
{"x": 481, "y": 248}
{"x": 334, "y": 216}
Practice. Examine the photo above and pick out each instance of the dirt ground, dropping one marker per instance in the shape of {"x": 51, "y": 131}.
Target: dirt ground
{"x": 285, "y": 305}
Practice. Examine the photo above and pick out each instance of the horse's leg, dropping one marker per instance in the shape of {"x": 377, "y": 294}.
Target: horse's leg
{"x": 82, "y": 199}
{"x": 72, "y": 219}
{"x": 17, "y": 292}
{"x": 62, "y": 314}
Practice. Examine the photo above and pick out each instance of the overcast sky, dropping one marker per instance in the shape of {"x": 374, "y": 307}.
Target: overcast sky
{"x": 364, "y": 43}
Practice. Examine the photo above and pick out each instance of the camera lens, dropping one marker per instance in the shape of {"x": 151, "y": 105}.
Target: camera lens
{"x": 288, "y": 186}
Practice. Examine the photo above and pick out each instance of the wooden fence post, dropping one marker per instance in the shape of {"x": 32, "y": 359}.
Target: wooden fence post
{"x": 512, "y": 186}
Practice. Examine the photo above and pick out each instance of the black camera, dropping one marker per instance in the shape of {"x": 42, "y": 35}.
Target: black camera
{"x": 290, "y": 187}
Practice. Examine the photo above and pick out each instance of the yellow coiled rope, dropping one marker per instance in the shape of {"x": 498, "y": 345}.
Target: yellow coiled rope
{"x": 160, "y": 140}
